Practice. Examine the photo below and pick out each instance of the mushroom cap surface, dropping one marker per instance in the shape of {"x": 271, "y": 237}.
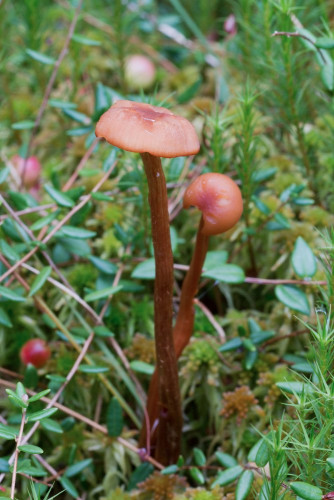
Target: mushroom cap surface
{"x": 219, "y": 199}
{"x": 143, "y": 128}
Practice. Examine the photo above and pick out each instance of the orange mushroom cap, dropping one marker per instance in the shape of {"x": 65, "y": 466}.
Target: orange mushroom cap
{"x": 219, "y": 199}
{"x": 143, "y": 128}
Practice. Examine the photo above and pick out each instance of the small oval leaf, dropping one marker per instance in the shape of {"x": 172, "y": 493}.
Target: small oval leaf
{"x": 244, "y": 485}
{"x": 40, "y": 280}
{"x": 227, "y": 476}
{"x": 293, "y": 297}
{"x": 303, "y": 259}
{"x": 306, "y": 491}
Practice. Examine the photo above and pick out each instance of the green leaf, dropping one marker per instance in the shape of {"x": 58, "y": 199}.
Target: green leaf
{"x": 39, "y": 281}
{"x": 293, "y": 297}
{"x": 295, "y": 387}
{"x": 262, "y": 336}
{"x": 102, "y": 101}
{"x": 60, "y": 198}
{"x": 77, "y": 116}
{"x": 57, "y": 103}
{"x": 231, "y": 345}
{"x": 197, "y": 475}
{"x": 102, "y": 331}
{"x": 190, "y": 92}
{"x": 76, "y": 132}
{"x": 23, "y": 125}
{"x": 227, "y": 273}
{"x": 250, "y": 359}
{"x": 140, "y": 474}
{"x": 8, "y": 251}
{"x": 215, "y": 259}
{"x": 76, "y": 468}
{"x": 69, "y": 486}
{"x": 4, "y": 467}
{"x": 40, "y": 57}
{"x": 327, "y": 75}
{"x": 44, "y": 221}
{"x": 263, "y": 454}
{"x": 4, "y": 318}
{"x": 29, "y": 448}
{"x": 102, "y": 197}
{"x": 39, "y": 396}
{"x": 325, "y": 43}
{"x": 4, "y": 174}
{"x": 20, "y": 390}
{"x": 227, "y": 476}
{"x": 260, "y": 205}
{"x": 89, "y": 172}
{"x": 76, "y": 232}
{"x": 4, "y": 434}
{"x": 306, "y": 491}
{"x": 75, "y": 246}
{"x": 248, "y": 344}
{"x": 104, "y": 266}
{"x": 114, "y": 418}
{"x": 302, "y": 367}
{"x": 244, "y": 485}
{"x": 225, "y": 459}
{"x": 102, "y": 294}
{"x": 253, "y": 451}
{"x": 32, "y": 471}
{"x": 93, "y": 369}
{"x": 142, "y": 367}
{"x": 8, "y": 294}
{"x": 145, "y": 270}
{"x": 264, "y": 174}
{"x": 51, "y": 426}
{"x": 199, "y": 457}
{"x": 303, "y": 259}
{"x": 302, "y": 201}
{"x": 83, "y": 40}
{"x": 39, "y": 415}
{"x": 171, "y": 469}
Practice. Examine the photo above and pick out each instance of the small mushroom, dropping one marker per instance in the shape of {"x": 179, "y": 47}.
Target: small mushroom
{"x": 156, "y": 132}
{"x": 219, "y": 199}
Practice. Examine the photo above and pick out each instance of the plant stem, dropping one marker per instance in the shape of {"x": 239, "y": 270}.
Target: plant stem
{"x": 184, "y": 325}
{"x": 169, "y": 403}
{"x": 17, "y": 451}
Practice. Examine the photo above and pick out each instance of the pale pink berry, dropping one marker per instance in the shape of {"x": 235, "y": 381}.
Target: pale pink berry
{"x": 30, "y": 175}
{"x": 139, "y": 72}
{"x": 230, "y": 25}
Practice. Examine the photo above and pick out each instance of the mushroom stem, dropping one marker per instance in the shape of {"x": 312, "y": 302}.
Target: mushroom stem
{"x": 184, "y": 325}
{"x": 169, "y": 403}
{"x": 185, "y": 319}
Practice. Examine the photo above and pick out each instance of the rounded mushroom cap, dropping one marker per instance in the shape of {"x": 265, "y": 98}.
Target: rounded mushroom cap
{"x": 219, "y": 199}
{"x": 143, "y": 128}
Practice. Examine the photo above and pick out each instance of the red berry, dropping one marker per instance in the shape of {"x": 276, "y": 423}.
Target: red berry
{"x": 35, "y": 352}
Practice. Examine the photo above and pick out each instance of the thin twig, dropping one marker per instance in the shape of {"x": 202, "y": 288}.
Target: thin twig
{"x": 87, "y": 421}
{"x": 19, "y": 442}
{"x": 56, "y": 227}
{"x": 51, "y": 82}
{"x": 213, "y": 321}
{"x": 300, "y": 35}
{"x": 29, "y": 210}
{"x": 265, "y": 281}
{"x": 81, "y": 164}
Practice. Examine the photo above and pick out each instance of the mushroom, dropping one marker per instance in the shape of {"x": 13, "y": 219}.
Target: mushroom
{"x": 156, "y": 132}
{"x": 219, "y": 199}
